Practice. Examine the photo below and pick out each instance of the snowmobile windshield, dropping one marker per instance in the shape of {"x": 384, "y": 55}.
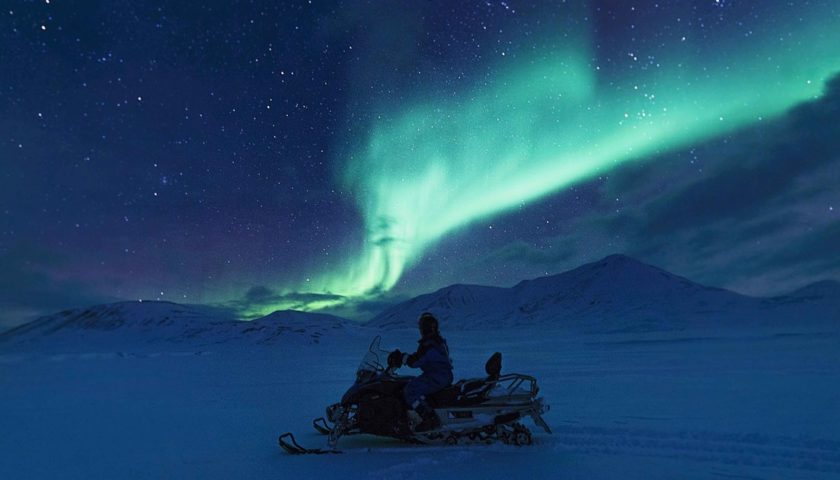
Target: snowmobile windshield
{"x": 374, "y": 360}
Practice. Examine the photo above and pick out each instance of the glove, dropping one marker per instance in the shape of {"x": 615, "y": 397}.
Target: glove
{"x": 395, "y": 359}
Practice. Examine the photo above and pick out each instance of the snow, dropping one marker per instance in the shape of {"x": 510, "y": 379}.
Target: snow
{"x": 758, "y": 404}
{"x": 659, "y": 378}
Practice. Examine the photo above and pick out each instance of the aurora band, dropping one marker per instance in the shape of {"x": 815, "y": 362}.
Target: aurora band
{"x": 433, "y": 167}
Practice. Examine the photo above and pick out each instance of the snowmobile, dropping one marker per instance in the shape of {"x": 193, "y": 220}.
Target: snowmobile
{"x": 472, "y": 410}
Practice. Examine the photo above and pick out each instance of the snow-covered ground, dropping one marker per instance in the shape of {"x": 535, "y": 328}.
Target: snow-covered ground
{"x": 722, "y": 403}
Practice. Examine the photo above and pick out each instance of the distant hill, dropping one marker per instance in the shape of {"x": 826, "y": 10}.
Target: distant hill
{"x": 822, "y": 290}
{"x": 616, "y": 293}
{"x": 133, "y": 324}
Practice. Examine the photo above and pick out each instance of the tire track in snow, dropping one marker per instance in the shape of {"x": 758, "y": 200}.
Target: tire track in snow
{"x": 748, "y": 449}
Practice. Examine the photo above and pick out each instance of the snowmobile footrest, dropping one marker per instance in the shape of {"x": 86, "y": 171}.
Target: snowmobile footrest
{"x": 290, "y": 445}
{"x": 321, "y": 426}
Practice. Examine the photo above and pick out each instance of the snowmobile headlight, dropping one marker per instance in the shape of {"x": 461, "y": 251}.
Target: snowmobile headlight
{"x": 363, "y": 376}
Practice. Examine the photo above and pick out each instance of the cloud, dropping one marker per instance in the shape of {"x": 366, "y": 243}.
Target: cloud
{"x": 748, "y": 210}
{"x": 29, "y": 288}
{"x": 259, "y": 294}
{"x": 522, "y": 252}
{"x": 752, "y": 170}
{"x": 759, "y": 210}
{"x": 815, "y": 251}
{"x": 260, "y": 300}
{"x": 363, "y": 309}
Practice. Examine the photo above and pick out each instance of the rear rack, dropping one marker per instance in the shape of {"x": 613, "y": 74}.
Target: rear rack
{"x": 513, "y": 381}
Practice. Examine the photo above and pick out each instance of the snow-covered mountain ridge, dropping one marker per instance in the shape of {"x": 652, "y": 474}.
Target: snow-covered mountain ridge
{"x": 616, "y": 293}
{"x": 138, "y": 323}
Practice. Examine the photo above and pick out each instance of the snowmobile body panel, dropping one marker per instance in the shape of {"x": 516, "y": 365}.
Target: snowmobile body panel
{"x": 381, "y": 384}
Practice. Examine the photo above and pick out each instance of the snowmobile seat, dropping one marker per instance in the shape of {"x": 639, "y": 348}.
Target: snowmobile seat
{"x": 465, "y": 393}
{"x": 493, "y": 367}
{"x": 446, "y": 397}
{"x": 457, "y": 396}
{"x": 471, "y": 391}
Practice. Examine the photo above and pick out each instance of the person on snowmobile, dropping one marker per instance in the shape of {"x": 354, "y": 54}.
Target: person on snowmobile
{"x": 432, "y": 357}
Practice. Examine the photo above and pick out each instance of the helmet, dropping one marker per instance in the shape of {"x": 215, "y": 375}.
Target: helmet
{"x": 428, "y": 325}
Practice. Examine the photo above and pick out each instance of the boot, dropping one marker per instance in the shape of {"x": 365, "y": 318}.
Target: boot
{"x": 430, "y": 420}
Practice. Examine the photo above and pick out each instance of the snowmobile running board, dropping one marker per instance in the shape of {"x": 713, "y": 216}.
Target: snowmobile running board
{"x": 290, "y": 445}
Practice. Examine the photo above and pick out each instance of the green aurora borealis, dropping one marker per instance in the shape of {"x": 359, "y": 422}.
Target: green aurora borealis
{"x": 437, "y": 166}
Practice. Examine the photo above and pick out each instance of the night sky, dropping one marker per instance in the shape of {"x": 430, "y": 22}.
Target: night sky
{"x": 258, "y": 155}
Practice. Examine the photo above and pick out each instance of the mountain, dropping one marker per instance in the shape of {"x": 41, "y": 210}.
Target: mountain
{"x": 280, "y": 325}
{"x": 819, "y": 300}
{"x": 466, "y": 302}
{"x": 616, "y": 293}
{"x": 824, "y": 289}
{"x": 133, "y": 324}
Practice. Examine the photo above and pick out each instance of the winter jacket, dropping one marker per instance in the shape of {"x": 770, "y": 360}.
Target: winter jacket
{"x": 432, "y": 357}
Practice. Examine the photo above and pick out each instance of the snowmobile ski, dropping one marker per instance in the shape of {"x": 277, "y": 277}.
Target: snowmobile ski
{"x": 290, "y": 445}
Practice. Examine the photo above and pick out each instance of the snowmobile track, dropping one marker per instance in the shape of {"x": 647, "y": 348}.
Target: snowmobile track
{"x": 756, "y": 450}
